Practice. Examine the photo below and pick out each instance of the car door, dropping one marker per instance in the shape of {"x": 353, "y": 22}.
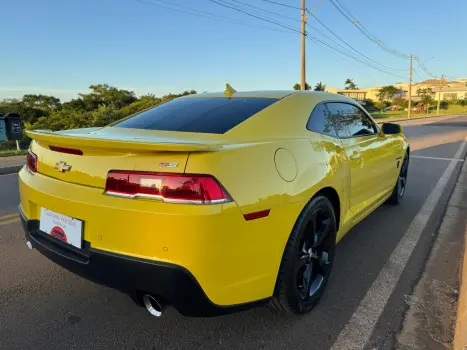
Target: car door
{"x": 367, "y": 159}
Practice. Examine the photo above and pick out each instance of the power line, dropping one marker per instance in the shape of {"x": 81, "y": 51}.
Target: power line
{"x": 267, "y": 11}
{"x": 350, "y": 46}
{"x": 348, "y": 15}
{"x": 281, "y": 4}
{"x": 205, "y": 14}
{"x": 420, "y": 63}
{"x": 416, "y": 73}
{"x": 255, "y": 16}
{"x": 451, "y": 78}
{"x": 373, "y": 64}
{"x": 353, "y": 57}
{"x": 316, "y": 7}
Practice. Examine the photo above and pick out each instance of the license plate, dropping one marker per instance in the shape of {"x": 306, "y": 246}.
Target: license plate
{"x": 62, "y": 227}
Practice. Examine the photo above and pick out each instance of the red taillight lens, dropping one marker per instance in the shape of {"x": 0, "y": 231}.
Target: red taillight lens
{"x": 171, "y": 188}
{"x": 76, "y": 152}
{"x": 31, "y": 161}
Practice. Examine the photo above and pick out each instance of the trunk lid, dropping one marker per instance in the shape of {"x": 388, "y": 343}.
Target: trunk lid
{"x": 105, "y": 149}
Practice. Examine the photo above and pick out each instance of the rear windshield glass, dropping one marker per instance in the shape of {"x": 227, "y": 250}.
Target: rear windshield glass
{"x": 204, "y": 115}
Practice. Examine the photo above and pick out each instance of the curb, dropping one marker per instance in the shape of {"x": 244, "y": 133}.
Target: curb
{"x": 460, "y": 336}
{"x": 10, "y": 169}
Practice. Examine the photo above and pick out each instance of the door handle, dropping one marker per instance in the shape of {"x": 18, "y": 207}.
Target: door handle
{"x": 355, "y": 155}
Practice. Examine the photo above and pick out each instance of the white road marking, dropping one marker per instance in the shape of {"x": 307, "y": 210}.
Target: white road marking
{"x": 439, "y": 158}
{"x": 358, "y": 330}
{"x": 8, "y": 174}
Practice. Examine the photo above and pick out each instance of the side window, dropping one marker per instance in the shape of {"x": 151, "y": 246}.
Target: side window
{"x": 321, "y": 122}
{"x": 350, "y": 121}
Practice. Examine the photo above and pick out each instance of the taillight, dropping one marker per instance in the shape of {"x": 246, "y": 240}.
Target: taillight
{"x": 31, "y": 161}
{"x": 170, "y": 188}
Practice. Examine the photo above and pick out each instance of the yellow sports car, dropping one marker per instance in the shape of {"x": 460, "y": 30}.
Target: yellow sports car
{"x": 215, "y": 202}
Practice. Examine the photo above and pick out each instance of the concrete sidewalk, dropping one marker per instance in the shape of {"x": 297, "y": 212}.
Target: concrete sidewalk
{"x": 459, "y": 199}
{"x": 9, "y": 165}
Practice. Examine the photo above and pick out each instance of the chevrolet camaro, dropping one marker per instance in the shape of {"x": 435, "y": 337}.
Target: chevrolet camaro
{"x": 214, "y": 202}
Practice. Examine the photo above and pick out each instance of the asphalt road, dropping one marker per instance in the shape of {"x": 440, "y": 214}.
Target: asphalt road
{"x": 42, "y": 306}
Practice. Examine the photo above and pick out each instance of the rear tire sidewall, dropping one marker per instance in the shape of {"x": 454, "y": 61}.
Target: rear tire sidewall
{"x": 286, "y": 292}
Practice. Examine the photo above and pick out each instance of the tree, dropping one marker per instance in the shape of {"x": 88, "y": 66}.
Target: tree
{"x": 299, "y": 86}
{"x": 425, "y": 95}
{"x": 107, "y": 95}
{"x": 320, "y": 87}
{"x": 400, "y": 101}
{"x": 144, "y": 102}
{"x": 44, "y": 101}
{"x": 62, "y": 120}
{"x": 386, "y": 93}
{"x": 350, "y": 85}
{"x": 105, "y": 115}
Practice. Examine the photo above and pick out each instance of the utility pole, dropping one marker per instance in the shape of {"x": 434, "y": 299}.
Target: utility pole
{"x": 303, "y": 75}
{"x": 410, "y": 89}
{"x": 439, "y": 93}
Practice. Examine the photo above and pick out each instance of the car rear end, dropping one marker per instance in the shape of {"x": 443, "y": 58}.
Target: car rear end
{"x": 116, "y": 206}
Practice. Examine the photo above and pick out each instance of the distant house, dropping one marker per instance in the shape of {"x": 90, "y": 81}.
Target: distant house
{"x": 449, "y": 89}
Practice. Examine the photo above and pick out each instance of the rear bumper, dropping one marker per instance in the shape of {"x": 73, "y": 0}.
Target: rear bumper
{"x": 133, "y": 276}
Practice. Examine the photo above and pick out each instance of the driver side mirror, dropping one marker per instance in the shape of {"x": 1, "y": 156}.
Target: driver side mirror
{"x": 391, "y": 129}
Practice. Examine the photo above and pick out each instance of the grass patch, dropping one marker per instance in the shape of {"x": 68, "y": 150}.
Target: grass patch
{"x": 11, "y": 153}
{"x": 403, "y": 114}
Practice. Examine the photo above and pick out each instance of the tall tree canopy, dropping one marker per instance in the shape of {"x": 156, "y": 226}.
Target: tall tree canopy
{"x": 320, "y": 87}
{"x": 350, "y": 85}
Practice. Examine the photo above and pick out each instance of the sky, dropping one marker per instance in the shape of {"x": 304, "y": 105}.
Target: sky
{"x": 60, "y": 47}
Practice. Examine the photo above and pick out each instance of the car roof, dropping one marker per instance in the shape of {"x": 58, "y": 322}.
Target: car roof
{"x": 279, "y": 94}
{"x": 318, "y": 96}
{"x": 242, "y": 94}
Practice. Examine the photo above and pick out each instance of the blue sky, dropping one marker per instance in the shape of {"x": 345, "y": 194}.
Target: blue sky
{"x": 60, "y": 47}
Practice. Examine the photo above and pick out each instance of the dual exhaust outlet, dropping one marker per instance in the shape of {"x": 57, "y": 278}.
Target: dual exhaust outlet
{"x": 154, "y": 307}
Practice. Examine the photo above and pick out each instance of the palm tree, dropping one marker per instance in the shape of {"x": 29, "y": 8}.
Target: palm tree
{"x": 350, "y": 85}
{"x": 319, "y": 87}
{"x": 299, "y": 87}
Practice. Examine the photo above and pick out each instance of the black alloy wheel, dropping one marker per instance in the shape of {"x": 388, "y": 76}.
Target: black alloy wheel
{"x": 401, "y": 184}
{"x": 307, "y": 260}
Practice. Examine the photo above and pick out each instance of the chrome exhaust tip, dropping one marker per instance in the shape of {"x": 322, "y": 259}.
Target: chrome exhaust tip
{"x": 29, "y": 244}
{"x": 153, "y": 306}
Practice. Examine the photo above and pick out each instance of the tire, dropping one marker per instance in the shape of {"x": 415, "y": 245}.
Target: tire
{"x": 401, "y": 183}
{"x": 307, "y": 259}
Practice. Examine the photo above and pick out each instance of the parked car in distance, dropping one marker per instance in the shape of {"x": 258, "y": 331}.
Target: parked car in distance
{"x": 215, "y": 202}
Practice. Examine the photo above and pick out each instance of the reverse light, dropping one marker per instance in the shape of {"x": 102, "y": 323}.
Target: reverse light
{"x": 170, "y": 188}
{"x": 31, "y": 161}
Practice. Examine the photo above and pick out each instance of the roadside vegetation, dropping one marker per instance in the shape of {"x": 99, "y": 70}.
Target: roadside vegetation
{"x": 451, "y": 109}
{"x": 103, "y": 105}
{"x": 10, "y": 153}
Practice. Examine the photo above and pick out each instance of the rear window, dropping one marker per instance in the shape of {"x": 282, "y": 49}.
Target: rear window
{"x": 204, "y": 115}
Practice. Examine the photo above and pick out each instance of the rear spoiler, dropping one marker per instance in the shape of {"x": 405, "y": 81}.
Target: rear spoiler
{"x": 145, "y": 144}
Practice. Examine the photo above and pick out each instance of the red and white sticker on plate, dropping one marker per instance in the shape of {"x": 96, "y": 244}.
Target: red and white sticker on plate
{"x": 62, "y": 227}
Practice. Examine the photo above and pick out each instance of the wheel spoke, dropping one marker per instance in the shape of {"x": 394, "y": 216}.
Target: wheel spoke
{"x": 314, "y": 227}
{"x": 324, "y": 227}
{"x": 324, "y": 258}
{"x": 307, "y": 280}
{"x": 315, "y": 284}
